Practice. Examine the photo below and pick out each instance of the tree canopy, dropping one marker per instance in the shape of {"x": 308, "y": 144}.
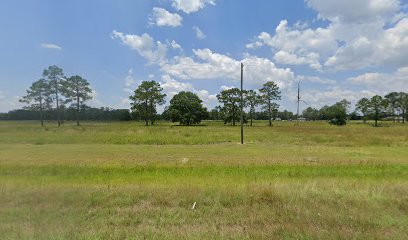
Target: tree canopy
{"x": 231, "y": 99}
{"x": 146, "y": 98}
{"x": 269, "y": 94}
{"x": 186, "y": 108}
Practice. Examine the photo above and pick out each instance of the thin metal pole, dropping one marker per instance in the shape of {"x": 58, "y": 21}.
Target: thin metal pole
{"x": 242, "y": 104}
{"x": 298, "y": 103}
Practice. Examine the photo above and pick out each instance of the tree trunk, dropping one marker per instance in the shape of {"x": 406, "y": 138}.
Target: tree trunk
{"x": 270, "y": 113}
{"x": 151, "y": 115}
{"x": 394, "y": 116}
{"x": 77, "y": 114}
{"x": 233, "y": 117}
{"x": 41, "y": 112}
{"x": 376, "y": 119}
{"x": 56, "y": 96}
{"x": 251, "y": 118}
{"x": 403, "y": 116}
{"x": 146, "y": 114}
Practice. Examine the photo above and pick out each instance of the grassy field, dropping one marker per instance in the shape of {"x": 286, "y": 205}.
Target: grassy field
{"x": 126, "y": 181}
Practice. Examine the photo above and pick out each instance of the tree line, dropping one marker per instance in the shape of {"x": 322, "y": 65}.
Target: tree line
{"x": 54, "y": 91}
{"x": 393, "y": 106}
{"x": 57, "y": 97}
{"x": 70, "y": 114}
{"x": 187, "y": 108}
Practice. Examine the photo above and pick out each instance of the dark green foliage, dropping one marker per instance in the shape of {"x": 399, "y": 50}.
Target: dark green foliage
{"x": 187, "y": 109}
{"x": 38, "y": 98}
{"x": 252, "y": 100}
{"x": 377, "y": 108}
{"x": 145, "y": 100}
{"x": 55, "y": 79}
{"x": 311, "y": 114}
{"x": 231, "y": 99}
{"x": 269, "y": 94}
{"x": 398, "y": 104}
{"x": 362, "y": 106}
{"x": 216, "y": 114}
{"x": 335, "y": 114}
{"x": 87, "y": 114}
{"x": 77, "y": 90}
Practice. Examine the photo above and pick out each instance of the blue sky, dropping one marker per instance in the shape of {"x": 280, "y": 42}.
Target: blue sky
{"x": 336, "y": 49}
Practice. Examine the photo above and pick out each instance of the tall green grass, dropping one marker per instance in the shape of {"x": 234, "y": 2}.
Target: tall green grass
{"x": 126, "y": 181}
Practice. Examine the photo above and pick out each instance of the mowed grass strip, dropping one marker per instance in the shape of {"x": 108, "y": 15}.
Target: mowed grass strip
{"x": 307, "y": 133}
{"x": 196, "y": 175}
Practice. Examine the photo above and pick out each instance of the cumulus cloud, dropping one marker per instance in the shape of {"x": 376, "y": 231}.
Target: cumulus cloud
{"x": 383, "y": 82}
{"x": 223, "y": 88}
{"x": 209, "y": 65}
{"x": 297, "y": 46}
{"x": 161, "y": 17}
{"x": 359, "y": 34}
{"x": 190, "y": 6}
{"x": 51, "y": 46}
{"x": 199, "y": 34}
{"x": 154, "y": 52}
{"x": 318, "y": 98}
{"x": 175, "y": 45}
{"x": 172, "y": 87}
{"x": 319, "y": 80}
{"x": 8, "y": 103}
{"x": 130, "y": 83}
{"x": 354, "y": 11}
{"x": 95, "y": 101}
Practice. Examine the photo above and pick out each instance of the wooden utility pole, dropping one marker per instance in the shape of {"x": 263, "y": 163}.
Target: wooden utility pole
{"x": 242, "y": 103}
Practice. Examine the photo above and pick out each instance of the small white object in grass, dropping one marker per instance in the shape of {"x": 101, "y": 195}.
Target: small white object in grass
{"x": 185, "y": 160}
{"x": 194, "y": 205}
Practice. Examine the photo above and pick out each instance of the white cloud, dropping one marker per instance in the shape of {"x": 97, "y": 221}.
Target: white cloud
{"x": 318, "y": 98}
{"x": 199, "y": 34}
{"x": 95, "y": 101}
{"x": 130, "y": 83}
{"x": 124, "y": 103}
{"x": 154, "y": 52}
{"x": 175, "y": 45}
{"x": 222, "y": 88}
{"x": 318, "y": 80}
{"x": 161, "y": 17}
{"x": 383, "y": 83}
{"x": 297, "y": 46}
{"x": 190, "y": 6}
{"x": 51, "y": 46}
{"x": 8, "y": 103}
{"x": 360, "y": 34}
{"x": 208, "y": 65}
{"x": 208, "y": 99}
{"x": 172, "y": 87}
{"x": 354, "y": 11}
{"x": 312, "y": 59}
